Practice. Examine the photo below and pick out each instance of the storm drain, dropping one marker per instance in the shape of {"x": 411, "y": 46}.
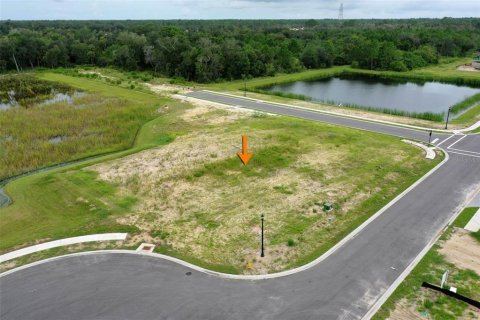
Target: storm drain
{"x": 146, "y": 247}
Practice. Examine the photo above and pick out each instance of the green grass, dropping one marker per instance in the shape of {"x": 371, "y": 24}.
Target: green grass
{"x": 53, "y": 206}
{"x": 465, "y": 217}
{"x": 476, "y": 235}
{"x": 465, "y": 104}
{"x": 470, "y": 116}
{"x": 198, "y": 262}
{"x": 430, "y": 269}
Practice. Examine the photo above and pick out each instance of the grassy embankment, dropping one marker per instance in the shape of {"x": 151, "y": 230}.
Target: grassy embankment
{"x": 104, "y": 120}
{"x": 213, "y": 202}
{"x": 430, "y": 269}
{"x": 444, "y": 72}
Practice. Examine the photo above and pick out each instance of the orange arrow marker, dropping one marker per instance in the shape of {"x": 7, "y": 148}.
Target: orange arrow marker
{"x": 244, "y": 156}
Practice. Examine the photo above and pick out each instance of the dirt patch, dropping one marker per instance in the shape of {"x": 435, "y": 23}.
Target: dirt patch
{"x": 467, "y": 67}
{"x": 462, "y": 250}
{"x": 8, "y": 265}
{"x": 167, "y": 88}
{"x": 96, "y": 73}
{"x": 173, "y": 160}
{"x": 206, "y": 114}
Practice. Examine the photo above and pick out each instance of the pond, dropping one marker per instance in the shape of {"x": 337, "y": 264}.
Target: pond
{"x": 380, "y": 93}
{"x": 55, "y": 97}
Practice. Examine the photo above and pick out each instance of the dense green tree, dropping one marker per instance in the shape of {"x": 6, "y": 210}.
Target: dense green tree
{"x": 56, "y": 56}
{"x": 230, "y": 49}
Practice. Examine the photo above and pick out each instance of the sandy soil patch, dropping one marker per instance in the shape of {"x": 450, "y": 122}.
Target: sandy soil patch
{"x": 205, "y": 113}
{"x": 467, "y": 67}
{"x": 96, "y": 73}
{"x": 168, "y": 88}
{"x": 462, "y": 250}
{"x": 173, "y": 160}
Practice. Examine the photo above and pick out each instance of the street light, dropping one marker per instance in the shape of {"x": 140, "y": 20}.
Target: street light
{"x": 244, "y": 86}
{"x": 448, "y": 116}
{"x": 262, "y": 254}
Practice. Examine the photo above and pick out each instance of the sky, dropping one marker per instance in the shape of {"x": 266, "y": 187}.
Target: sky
{"x": 233, "y": 9}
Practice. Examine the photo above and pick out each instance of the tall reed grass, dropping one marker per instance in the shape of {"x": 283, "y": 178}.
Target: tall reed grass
{"x": 38, "y": 136}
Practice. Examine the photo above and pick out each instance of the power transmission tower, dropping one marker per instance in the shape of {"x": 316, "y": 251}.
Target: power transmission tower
{"x": 340, "y": 12}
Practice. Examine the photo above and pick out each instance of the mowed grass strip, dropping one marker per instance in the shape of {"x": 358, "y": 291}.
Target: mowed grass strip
{"x": 105, "y": 120}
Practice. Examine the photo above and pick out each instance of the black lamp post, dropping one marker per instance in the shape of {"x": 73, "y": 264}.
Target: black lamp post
{"x": 448, "y": 116}
{"x": 430, "y": 138}
{"x": 244, "y": 85}
{"x": 262, "y": 254}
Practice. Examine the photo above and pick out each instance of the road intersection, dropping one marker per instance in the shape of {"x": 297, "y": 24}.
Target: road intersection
{"x": 349, "y": 284}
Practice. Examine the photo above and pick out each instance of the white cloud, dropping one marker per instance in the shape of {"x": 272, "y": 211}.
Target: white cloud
{"x": 233, "y": 9}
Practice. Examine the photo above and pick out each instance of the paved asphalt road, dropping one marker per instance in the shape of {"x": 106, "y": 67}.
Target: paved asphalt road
{"x": 344, "y": 286}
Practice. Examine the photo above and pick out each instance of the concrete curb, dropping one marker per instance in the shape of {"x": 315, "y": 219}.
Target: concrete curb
{"x": 309, "y": 265}
{"x": 396, "y": 124}
{"x": 60, "y": 243}
{"x": 429, "y": 152}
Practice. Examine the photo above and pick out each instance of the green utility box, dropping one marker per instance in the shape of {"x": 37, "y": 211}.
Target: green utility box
{"x": 327, "y": 206}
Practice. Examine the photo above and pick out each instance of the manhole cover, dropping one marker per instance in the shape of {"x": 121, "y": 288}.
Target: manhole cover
{"x": 188, "y": 273}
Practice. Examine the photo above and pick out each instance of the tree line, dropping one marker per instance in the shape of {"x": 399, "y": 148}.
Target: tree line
{"x": 207, "y": 51}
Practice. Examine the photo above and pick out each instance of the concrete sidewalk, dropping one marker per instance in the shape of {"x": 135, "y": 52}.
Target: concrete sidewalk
{"x": 474, "y": 224}
{"x": 61, "y": 243}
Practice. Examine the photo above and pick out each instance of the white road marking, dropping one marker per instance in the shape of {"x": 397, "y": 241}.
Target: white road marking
{"x": 446, "y": 139}
{"x": 464, "y": 154}
{"x": 435, "y": 140}
{"x": 456, "y": 142}
{"x": 461, "y": 150}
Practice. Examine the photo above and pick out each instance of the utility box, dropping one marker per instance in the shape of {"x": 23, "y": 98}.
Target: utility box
{"x": 327, "y": 206}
